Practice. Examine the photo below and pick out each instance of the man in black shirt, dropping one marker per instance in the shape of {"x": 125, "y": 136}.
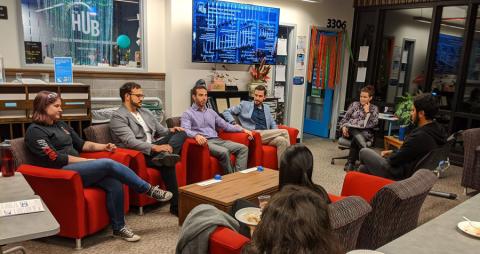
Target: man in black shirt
{"x": 427, "y": 136}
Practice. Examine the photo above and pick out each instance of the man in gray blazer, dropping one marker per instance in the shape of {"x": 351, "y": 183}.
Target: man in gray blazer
{"x": 136, "y": 128}
{"x": 255, "y": 115}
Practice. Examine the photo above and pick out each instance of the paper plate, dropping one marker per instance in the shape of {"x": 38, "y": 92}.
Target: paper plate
{"x": 248, "y": 215}
{"x": 466, "y": 227}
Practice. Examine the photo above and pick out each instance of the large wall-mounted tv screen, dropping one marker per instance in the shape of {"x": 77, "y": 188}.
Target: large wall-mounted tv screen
{"x": 225, "y": 32}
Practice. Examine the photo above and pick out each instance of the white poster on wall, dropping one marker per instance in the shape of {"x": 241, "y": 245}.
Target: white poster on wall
{"x": 361, "y": 74}
{"x": 280, "y": 93}
{"x": 363, "y": 54}
{"x": 281, "y": 47}
{"x": 301, "y": 44}
{"x": 280, "y": 71}
{"x": 404, "y": 57}
{"x": 395, "y": 69}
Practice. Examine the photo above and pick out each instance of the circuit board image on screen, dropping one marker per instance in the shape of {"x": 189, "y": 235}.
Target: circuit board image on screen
{"x": 225, "y": 32}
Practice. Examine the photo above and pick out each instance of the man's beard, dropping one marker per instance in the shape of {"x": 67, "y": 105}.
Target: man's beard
{"x": 136, "y": 105}
{"x": 415, "y": 121}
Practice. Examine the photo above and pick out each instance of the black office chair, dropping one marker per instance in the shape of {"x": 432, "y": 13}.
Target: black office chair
{"x": 437, "y": 161}
{"x": 344, "y": 144}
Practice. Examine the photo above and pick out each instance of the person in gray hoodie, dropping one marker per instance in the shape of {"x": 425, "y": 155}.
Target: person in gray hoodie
{"x": 197, "y": 227}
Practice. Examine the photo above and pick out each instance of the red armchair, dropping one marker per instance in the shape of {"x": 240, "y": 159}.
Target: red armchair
{"x": 266, "y": 155}
{"x": 80, "y": 211}
{"x": 200, "y": 164}
{"x": 101, "y": 134}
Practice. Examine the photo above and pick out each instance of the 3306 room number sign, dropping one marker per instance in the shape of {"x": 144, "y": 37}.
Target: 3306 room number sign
{"x": 336, "y": 24}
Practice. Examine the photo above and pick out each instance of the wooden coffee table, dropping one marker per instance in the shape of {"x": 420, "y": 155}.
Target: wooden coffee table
{"x": 232, "y": 187}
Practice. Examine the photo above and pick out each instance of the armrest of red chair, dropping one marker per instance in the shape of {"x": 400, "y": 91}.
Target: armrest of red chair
{"x": 62, "y": 192}
{"x": 198, "y": 161}
{"x": 239, "y": 137}
{"x": 292, "y": 133}
{"x": 255, "y": 151}
{"x": 181, "y": 166}
{"x": 363, "y": 185}
{"x": 335, "y": 198}
{"x": 225, "y": 240}
{"x": 137, "y": 161}
{"x": 116, "y": 156}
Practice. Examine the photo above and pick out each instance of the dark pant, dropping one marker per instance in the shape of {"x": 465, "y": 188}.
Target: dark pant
{"x": 237, "y": 205}
{"x": 174, "y": 139}
{"x": 110, "y": 176}
{"x": 169, "y": 175}
{"x": 374, "y": 164}
{"x": 358, "y": 142}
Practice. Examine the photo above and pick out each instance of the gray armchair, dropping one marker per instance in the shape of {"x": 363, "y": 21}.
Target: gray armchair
{"x": 395, "y": 210}
{"x": 471, "y": 159}
{"x": 346, "y": 219}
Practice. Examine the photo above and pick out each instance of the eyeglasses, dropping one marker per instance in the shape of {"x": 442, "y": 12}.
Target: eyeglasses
{"x": 52, "y": 95}
{"x": 140, "y": 96}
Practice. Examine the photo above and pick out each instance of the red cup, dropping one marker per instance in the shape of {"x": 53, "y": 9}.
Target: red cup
{"x": 7, "y": 162}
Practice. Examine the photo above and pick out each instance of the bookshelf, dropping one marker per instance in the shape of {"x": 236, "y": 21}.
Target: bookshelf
{"x": 16, "y": 106}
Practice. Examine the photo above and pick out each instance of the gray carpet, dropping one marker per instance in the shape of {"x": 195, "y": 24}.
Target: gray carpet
{"x": 159, "y": 230}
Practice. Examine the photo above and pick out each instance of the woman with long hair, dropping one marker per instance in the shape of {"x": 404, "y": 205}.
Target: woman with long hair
{"x": 54, "y": 144}
{"x": 295, "y": 221}
{"x": 296, "y": 167}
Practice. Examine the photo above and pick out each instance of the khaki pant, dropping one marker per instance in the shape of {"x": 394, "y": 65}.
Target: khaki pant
{"x": 276, "y": 137}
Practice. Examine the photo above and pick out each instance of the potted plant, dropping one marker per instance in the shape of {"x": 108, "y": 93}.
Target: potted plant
{"x": 403, "y": 112}
{"x": 259, "y": 73}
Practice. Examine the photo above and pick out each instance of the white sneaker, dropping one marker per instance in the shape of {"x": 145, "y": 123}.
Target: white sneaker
{"x": 127, "y": 234}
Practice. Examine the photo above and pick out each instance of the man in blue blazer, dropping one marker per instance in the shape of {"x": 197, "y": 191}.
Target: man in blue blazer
{"x": 255, "y": 115}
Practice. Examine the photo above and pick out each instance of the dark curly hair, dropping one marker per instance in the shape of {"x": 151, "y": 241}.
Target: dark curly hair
{"x": 427, "y": 103}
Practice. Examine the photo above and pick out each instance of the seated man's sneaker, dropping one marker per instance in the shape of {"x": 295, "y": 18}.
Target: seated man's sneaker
{"x": 126, "y": 234}
{"x": 159, "y": 194}
{"x": 166, "y": 159}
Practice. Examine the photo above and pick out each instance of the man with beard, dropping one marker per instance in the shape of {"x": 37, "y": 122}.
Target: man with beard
{"x": 427, "y": 136}
{"x": 201, "y": 123}
{"x": 137, "y": 128}
{"x": 255, "y": 115}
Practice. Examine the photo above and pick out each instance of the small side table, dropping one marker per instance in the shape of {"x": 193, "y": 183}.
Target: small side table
{"x": 392, "y": 141}
{"x": 23, "y": 227}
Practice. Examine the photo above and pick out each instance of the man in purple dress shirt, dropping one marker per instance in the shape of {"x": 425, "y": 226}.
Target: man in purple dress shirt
{"x": 201, "y": 122}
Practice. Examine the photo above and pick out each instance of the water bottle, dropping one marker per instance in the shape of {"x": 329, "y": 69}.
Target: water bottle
{"x": 442, "y": 167}
{"x": 7, "y": 162}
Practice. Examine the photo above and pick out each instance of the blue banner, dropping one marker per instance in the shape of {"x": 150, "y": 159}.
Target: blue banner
{"x": 63, "y": 70}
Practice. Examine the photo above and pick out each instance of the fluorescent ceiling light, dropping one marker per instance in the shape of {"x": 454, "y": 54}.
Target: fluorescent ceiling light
{"x": 310, "y": 1}
{"x": 428, "y": 21}
{"x": 127, "y": 1}
{"x": 50, "y": 7}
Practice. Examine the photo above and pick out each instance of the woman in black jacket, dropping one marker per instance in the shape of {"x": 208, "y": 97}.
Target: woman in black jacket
{"x": 54, "y": 144}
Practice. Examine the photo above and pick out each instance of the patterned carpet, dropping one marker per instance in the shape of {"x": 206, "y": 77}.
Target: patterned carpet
{"x": 159, "y": 230}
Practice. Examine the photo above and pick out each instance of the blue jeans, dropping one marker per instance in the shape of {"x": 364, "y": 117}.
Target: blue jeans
{"x": 110, "y": 176}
